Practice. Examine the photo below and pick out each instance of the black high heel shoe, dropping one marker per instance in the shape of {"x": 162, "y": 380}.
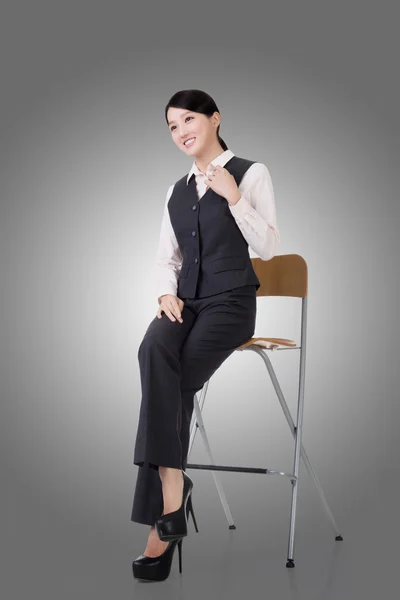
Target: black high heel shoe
{"x": 173, "y": 525}
{"x": 159, "y": 567}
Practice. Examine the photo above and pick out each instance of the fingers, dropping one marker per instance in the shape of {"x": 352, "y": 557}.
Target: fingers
{"x": 210, "y": 170}
{"x": 171, "y": 308}
{"x": 176, "y": 310}
{"x": 169, "y": 314}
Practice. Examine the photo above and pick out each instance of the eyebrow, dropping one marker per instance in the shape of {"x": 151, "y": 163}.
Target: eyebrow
{"x": 188, "y": 111}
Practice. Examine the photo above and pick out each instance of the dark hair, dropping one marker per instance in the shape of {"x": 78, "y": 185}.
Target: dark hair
{"x": 197, "y": 101}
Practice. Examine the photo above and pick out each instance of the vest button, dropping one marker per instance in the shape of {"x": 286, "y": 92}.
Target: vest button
{"x": 194, "y": 207}
{"x": 196, "y": 260}
{"x": 193, "y": 233}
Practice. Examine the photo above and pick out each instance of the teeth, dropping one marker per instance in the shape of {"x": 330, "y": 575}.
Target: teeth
{"x": 187, "y": 141}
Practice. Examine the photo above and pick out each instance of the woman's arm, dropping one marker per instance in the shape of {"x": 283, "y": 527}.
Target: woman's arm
{"x": 255, "y": 212}
{"x": 169, "y": 258}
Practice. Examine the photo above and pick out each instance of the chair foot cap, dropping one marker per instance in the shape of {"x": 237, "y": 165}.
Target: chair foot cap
{"x": 290, "y": 563}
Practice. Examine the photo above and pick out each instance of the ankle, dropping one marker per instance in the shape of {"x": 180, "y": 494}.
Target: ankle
{"x": 170, "y": 475}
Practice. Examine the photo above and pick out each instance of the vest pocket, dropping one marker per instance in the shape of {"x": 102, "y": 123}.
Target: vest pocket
{"x": 228, "y": 263}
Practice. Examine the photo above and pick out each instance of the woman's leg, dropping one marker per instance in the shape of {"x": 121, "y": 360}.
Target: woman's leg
{"x": 157, "y": 441}
{"x": 186, "y": 357}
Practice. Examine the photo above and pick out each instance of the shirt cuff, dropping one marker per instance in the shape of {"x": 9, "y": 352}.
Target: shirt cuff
{"x": 241, "y": 207}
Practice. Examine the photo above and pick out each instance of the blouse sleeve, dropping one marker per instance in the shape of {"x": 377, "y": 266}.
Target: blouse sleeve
{"x": 255, "y": 212}
{"x": 169, "y": 258}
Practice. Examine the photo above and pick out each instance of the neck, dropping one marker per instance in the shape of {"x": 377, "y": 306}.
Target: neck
{"x": 211, "y": 152}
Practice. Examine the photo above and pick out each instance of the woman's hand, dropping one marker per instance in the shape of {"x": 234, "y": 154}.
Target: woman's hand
{"x": 171, "y": 305}
{"x": 223, "y": 183}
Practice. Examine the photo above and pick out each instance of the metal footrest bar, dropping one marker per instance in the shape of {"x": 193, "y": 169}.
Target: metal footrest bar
{"x": 240, "y": 470}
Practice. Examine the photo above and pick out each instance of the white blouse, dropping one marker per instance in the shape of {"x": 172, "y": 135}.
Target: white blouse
{"x": 254, "y": 214}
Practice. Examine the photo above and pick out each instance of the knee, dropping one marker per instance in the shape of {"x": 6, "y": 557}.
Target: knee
{"x": 145, "y": 345}
{"x": 149, "y": 344}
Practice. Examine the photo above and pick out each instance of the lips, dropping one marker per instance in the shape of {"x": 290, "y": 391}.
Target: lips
{"x": 191, "y": 140}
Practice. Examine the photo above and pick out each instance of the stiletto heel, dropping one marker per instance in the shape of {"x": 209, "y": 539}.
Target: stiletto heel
{"x": 180, "y": 554}
{"x": 190, "y": 509}
{"x": 173, "y": 525}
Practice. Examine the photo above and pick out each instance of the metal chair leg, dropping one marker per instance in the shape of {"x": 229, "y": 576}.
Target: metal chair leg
{"x": 198, "y": 422}
{"x": 292, "y": 427}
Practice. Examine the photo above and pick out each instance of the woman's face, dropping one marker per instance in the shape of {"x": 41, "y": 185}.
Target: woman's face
{"x": 185, "y": 124}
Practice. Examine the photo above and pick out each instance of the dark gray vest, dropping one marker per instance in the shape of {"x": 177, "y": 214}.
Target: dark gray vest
{"x": 215, "y": 252}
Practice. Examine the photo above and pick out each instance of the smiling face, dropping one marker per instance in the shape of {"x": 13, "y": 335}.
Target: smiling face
{"x": 185, "y": 124}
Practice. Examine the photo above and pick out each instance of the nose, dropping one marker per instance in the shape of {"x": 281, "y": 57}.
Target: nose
{"x": 183, "y": 132}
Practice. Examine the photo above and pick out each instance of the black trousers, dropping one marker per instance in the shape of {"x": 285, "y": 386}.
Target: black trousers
{"x": 176, "y": 359}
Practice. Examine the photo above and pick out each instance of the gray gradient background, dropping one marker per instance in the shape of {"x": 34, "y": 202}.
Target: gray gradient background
{"x": 312, "y": 91}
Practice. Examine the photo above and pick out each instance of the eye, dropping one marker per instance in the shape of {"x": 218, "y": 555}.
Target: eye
{"x": 188, "y": 117}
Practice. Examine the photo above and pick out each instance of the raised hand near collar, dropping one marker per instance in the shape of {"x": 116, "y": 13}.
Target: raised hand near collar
{"x": 223, "y": 183}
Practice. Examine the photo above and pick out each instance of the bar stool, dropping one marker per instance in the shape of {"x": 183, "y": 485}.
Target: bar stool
{"x": 283, "y": 275}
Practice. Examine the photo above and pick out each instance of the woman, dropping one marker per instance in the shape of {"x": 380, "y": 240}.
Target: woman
{"x": 207, "y": 308}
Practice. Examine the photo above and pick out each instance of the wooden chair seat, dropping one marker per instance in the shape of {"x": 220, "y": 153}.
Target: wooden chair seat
{"x": 267, "y": 342}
